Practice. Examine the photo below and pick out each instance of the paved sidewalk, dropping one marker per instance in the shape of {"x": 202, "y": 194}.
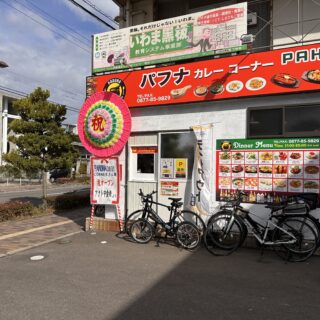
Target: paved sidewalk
{"x": 20, "y": 235}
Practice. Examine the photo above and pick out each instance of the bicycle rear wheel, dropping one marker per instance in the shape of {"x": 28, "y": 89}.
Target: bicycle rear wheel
{"x": 313, "y": 223}
{"x": 224, "y": 234}
{"x": 188, "y": 235}
{"x": 305, "y": 244}
{"x": 141, "y": 231}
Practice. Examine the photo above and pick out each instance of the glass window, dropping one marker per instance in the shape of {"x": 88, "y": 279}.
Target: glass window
{"x": 179, "y": 145}
{"x": 265, "y": 122}
{"x": 10, "y": 107}
{"x": 284, "y": 121}
{"x": 302, "y": 119}
{"x": 145, "y": 163}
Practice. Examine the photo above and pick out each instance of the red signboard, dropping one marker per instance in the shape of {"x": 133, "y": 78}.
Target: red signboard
{"x": 273, "y": 72}
{"x": 144, "y": 150}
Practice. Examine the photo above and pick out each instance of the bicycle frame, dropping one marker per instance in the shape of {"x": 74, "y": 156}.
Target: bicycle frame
{"x": 262, "y": 240}
{"x": 260, "y": 232}
{"x": 149, "y": 212}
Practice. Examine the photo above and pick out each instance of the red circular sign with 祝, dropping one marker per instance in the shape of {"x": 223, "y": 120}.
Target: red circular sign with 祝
{"x": 104, "y": 124}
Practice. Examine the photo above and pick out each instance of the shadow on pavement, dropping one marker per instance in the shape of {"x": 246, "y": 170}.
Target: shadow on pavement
{"x": 240, "y": 286}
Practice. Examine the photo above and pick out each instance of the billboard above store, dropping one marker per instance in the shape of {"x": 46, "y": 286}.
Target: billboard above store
{"x": 290, "y": 70}
{"x": 190, "y": 36}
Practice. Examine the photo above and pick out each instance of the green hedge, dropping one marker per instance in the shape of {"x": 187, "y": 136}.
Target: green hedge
{"x": 83, "y": 180}
{"x": 15, "y": 209}
{"x": 69, "y": 201}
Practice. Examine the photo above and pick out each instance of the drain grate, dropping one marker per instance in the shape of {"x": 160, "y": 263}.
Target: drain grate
{"x": 64, "y": 241}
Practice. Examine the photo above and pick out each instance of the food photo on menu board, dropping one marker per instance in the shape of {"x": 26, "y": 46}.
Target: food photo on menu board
{"x": 267, "y": 170}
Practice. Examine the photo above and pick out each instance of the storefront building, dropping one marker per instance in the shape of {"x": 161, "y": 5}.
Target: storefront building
{"x": 262, "y": 101}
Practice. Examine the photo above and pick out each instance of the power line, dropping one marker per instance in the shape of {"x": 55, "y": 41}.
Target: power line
{"x": 67, "y": 96}
{"x": 24, "y": 94}
{"x": 60, "y": 23}
{"x": 99, "y": 10}
{"x": 61, "y": 35}
{"x": 92, "y": 14}
{"x": 47, "y": 84}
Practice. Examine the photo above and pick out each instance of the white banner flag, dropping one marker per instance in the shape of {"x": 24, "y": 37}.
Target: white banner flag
{"x": 202, "y": 175}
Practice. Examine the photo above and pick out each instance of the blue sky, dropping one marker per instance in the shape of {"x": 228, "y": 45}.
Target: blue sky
{"x": 54, "y": 52}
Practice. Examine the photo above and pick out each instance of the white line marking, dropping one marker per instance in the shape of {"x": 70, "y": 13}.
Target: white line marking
{"x": 12, "y": 235}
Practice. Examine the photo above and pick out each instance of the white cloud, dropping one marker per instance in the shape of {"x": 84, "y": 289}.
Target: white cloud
{"x": 24, "y": 19}
{"x": 38, "y": 57}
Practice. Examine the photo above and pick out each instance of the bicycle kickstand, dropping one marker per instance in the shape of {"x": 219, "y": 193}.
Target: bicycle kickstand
{"x": 157, "y": 236}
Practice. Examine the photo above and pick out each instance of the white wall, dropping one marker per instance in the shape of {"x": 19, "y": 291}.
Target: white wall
{"x": 227, "y": 116}
{"x": 298, "y": 19}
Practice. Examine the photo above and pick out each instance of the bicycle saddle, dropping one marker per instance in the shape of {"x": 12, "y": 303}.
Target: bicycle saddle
{"x": 175, "y": 199}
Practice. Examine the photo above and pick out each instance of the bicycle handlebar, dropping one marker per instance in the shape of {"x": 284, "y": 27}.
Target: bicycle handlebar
{"x": 146, "y": 196}
{"x": 236, "y": 202}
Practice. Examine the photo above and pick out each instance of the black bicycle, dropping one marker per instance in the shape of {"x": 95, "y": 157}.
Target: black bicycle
{"x": 181, "y": 215}
{"x": 185, "y": 226}
{"x": 293, "y": 236}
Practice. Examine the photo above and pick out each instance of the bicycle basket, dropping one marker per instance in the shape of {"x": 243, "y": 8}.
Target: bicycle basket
{"x": 311, "y": 199}
{"x": 242, "y": 213}
{"x": 296, "y": 208}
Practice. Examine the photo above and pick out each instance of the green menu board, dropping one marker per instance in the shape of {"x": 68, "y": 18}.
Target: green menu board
{"x": 267, "y": 170}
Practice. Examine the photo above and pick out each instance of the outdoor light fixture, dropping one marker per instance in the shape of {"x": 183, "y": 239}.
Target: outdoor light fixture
{"x": 247, "y": 38}
{"x": 3, "y": 64}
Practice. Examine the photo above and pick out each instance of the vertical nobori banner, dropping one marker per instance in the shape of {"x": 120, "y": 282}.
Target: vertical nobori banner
{"x": 201, "y": 188}
{"x": 104, "y": 180}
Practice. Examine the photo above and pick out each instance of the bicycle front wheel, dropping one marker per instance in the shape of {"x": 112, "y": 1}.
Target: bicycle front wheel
{"x": 224, "y": 234}
{"x": 190, "y": 216}
{"x": 304, "y": 241}
{"x": 131, "y": 218}
{"x": 188, "y": 235}
{"x": 141, "y": 231}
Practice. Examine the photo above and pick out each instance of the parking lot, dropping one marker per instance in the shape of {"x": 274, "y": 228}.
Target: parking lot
{"x": 102, "y": 276}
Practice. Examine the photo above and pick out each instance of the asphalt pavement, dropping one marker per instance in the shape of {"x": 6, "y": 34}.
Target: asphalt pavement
{"x": 102, "y": 276}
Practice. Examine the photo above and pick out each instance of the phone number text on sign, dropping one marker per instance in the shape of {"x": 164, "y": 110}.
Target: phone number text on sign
{"x": 148, "y": 97}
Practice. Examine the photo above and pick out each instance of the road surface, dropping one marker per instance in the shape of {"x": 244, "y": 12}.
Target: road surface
{"x": 34, "y": 195}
